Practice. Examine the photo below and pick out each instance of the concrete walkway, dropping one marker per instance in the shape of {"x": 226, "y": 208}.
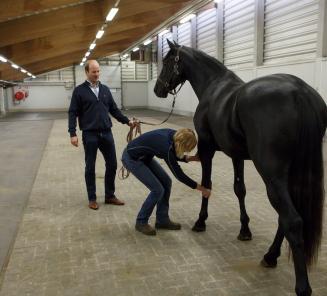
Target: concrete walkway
{"x": 64, "y": 248}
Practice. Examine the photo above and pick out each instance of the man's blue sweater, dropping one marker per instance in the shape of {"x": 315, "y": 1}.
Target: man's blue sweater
{"x": 92, "y": 111}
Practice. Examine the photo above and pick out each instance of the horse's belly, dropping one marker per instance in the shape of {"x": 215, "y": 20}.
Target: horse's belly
{"x": 234, "y": 147}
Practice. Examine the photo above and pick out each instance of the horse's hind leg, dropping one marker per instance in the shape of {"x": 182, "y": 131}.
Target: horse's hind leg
{"x": 291, "y": 224}
{"x": 240, "y": 191}
{"x": 270, "y": 258}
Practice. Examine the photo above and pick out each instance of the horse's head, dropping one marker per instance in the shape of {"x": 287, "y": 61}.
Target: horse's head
{"x": 171, "y": 73}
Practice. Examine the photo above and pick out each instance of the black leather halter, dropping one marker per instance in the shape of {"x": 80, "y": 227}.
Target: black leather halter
{"x": 175, "y": 71}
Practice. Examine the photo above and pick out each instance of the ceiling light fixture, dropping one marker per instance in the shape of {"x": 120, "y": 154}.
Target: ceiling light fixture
{"x": 87, "y": 54}
{"x": 113, "y": 11}
{"x": 14, "y": 66}
{"x": 2, "y": 59}
{"x": 92, "y": 46}
{"x": 136, "y": 49}
{"x": 148, "y": 41}
{"x": 99, "y": 34}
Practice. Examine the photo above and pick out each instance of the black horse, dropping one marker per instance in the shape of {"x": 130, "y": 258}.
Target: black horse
{"x": 277, "y": 121}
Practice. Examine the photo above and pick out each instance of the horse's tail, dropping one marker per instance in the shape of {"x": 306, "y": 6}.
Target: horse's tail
{"x": 306, "y": 176}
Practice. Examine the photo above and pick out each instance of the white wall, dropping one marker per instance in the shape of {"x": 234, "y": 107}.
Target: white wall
{"x": 186, "y": 100}
{"x": 135, "y": 94}
{"x": 2, "y": 102}
{"x": 42, "y": 98}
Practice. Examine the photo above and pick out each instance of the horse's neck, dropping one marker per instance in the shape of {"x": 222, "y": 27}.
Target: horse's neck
{"x": 203, "y": 72}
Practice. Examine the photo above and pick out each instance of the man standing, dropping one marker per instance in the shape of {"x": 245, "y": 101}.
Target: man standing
{"x": 91, "y": 102}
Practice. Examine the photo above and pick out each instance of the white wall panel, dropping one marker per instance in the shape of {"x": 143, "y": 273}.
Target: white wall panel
{"x": 154, "y": 70}
{"x": 141, "y": 71}
{"x": 135, "y": 94}
{"x": 291, "y": 30}
{"x": 206, "y": 32}
{"x": 184, "y": 34}
{"x": 165, "y": 46}
{"x": 238, "y": 33}
{"x": 128, "y": 70}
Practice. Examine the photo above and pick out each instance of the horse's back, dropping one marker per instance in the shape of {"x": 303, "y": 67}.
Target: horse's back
{"x": 270, "y": 109}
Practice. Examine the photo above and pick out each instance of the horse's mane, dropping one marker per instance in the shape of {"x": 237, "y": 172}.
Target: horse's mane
{"x": 208, "y": 61}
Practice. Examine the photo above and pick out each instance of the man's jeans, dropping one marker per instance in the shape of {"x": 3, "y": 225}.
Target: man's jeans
{"x": 104, "y": 141}
{"x": 153, "y": 176}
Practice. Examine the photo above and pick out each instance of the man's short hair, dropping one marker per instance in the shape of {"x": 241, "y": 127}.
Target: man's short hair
{"x": 86, "y": 67}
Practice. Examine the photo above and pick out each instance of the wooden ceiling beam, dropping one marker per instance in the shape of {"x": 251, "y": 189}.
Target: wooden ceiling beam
{"x": 62, "y": 61}
{"x": 70, "y": 18}
{"x": 46, "y": 48}
{"x": 20, "y": 8}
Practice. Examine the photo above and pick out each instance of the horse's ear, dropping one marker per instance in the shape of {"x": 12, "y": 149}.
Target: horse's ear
{"x": 171, "y": 45}
{"x": 177, "y": 45}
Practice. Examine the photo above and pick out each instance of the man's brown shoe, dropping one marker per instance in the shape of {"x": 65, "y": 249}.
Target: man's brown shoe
{"x": 113, "y": 201}
{"x": 93, "y": 205}
{"x": 145, "y": 229}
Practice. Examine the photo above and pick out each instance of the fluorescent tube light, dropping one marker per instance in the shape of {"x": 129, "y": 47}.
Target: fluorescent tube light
{"x": 2, "y": 59}
{"x": 14, "y": 66}
{"x": 23, "y": 70}
{"x": 84, "y": 59}
{"x": 136, "y": 49}
{"x": 111, "y": 14}
{"x": 87, "y": 54}
{"x": 99, "y": 34}
{"x": 92, "y": 46}
{"x": 148, "y": 41}
{"x": 29, "y": 74}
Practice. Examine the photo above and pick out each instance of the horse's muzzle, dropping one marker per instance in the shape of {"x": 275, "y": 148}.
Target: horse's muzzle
{"x": 160, "y": 91}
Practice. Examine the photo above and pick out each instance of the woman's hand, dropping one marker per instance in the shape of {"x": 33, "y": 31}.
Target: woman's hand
{"x": 189, "y": 158}
{"x": 205, "y": 191}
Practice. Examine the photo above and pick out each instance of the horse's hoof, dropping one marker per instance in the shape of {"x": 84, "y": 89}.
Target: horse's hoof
{"x": 199, "y": 228}
{"x": 267, "y": 264}
{"x": 244, "y": 236}
{"x": 305, "y": 292}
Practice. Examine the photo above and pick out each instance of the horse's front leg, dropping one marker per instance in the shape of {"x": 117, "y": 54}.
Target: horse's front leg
{"x": 206, "y": 154}
{"x": 240, "y": 191}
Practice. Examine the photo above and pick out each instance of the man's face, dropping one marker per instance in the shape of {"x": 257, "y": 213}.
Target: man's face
{"x": 94, "y": 72}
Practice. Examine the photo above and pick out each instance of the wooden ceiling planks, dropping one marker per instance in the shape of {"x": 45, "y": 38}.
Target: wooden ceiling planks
{"x": 57, "y": 33}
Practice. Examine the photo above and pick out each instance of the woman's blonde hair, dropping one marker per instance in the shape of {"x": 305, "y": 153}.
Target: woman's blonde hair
{"x": 185, "y": 141}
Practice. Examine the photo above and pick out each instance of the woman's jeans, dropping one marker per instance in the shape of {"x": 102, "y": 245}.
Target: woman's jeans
{"x": 153, "y": 176}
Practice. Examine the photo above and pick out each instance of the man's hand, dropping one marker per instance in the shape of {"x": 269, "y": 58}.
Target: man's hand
{"x": 192, "y": 158}
{"x": 133, "y": 123}
{"x": 74, "y": 141}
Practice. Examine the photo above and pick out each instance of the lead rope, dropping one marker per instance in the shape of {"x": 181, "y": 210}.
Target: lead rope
{"x": 123, "y": 172}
